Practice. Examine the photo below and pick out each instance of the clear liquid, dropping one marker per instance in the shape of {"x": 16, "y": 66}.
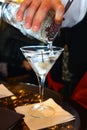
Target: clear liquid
{"x": 41, "y": 58}
{"x": 42, "y": 64}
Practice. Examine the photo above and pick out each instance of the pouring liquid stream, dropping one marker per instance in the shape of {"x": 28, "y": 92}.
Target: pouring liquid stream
{"x": 50, "y": 46}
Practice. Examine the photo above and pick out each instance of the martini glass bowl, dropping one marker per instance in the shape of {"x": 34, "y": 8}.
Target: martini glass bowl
{"x": 42, "y": 59}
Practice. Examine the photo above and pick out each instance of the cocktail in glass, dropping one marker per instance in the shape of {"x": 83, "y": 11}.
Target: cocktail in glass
{"x": 42, "y": 59}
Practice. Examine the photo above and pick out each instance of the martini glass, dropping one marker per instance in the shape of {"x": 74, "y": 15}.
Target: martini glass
{"x": 42, "y": 59}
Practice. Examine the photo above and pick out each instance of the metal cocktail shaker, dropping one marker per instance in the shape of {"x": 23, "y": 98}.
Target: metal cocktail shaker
{"x": 47, "y": 32}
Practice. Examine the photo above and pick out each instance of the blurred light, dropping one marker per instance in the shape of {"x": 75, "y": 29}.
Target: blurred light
{"x": 18, "y": 1}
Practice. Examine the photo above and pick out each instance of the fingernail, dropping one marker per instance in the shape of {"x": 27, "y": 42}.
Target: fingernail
{"x": 59, "y": 14}
{"x": 18, "y": 17}
{"x": 27, "y": 25}
{"x": 35, "y": 28}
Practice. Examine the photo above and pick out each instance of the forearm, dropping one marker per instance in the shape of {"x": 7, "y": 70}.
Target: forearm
{"x": 75, "y": 13}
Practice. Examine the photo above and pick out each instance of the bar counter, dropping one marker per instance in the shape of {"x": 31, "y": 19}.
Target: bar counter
{"x": 25, "y": 93}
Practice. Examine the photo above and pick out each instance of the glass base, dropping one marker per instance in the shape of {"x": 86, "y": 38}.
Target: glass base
{"x": 41, "y": 111}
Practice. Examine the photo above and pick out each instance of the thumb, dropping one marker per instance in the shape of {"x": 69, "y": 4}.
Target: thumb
{"x": 59, "y": 13}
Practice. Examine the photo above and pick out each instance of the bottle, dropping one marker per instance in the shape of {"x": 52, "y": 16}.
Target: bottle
{"x": 47, "y": 32}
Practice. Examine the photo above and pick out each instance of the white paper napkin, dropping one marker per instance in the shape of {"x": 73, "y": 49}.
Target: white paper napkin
{"x": 4, "y": 92}
{"x": 59, "y": 117}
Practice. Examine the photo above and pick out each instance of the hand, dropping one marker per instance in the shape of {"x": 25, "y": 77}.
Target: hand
{"x": 26, "y": 65}
{"x": 37, "y": 11}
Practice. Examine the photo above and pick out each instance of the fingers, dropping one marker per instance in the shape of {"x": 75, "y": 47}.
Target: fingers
{"x": 59, "y": 11}
{"x": 31, "y": 12}
{"x": 40, "y": 15}
{"x": 24, "y": 5}
{"x": 37, "y": 11}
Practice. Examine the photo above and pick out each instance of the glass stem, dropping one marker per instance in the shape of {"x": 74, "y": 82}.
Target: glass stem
{"x": 41, "y": 80}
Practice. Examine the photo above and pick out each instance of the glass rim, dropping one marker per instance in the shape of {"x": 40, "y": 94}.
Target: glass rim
{"x": 40, "y": 46}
